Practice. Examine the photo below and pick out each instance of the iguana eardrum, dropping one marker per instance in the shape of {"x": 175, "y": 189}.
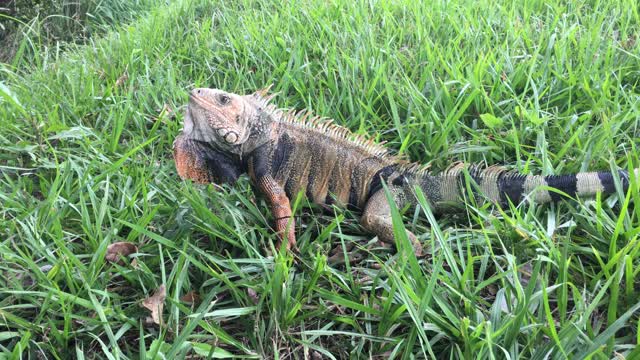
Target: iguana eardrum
{"x": 287, "y": 152}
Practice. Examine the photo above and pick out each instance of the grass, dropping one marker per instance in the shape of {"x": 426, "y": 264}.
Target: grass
{"x": 543, "y": 86}
{"x": 29, "y": 26}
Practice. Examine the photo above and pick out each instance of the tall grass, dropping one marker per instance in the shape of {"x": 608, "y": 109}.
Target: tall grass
{"x": 542, "y": 86}
{"x": 29, "y": 28}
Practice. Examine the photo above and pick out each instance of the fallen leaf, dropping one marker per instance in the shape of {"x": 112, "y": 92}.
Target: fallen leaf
{"x": 119, "y": 250}
{"x": 166, "y": 113}
{"x": 630, "y": 42}
{"x": 191, "y": 297}
{"x": 155, "y": 304}
{"x": 253, "y": 295}
{"x": 122, "y": 79}
{"x": 166, "y": 110}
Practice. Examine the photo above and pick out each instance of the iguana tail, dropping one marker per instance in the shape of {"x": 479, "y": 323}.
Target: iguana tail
{"x": 502, "y": 186}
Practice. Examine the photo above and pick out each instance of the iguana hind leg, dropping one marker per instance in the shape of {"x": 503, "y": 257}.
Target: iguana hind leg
{"x": 376, "y": 219}
{"x": 281, "y": 210}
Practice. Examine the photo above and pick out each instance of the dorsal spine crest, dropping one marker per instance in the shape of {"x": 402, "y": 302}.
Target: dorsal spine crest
{"x": 305, "y": 119}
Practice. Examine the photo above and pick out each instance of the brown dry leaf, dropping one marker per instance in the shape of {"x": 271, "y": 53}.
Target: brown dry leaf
{"x": 122, "y": 79}
{"x": 166, "y": 110}
{"x": 630, "y": 42}
{"x": 253, "y": 295}
{"x": 119, "y": 250}
{"x": 155, "y": 304}
{"x": 417, "y": 246}
{"x": 191, "y": 297}
{"x": 166, "y": 113}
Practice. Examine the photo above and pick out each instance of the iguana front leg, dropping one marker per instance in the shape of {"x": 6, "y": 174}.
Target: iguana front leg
{"x": 376, "y": 219}
{"x": 280, "y": 208}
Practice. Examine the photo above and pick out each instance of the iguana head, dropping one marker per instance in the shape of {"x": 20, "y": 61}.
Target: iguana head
{"x": 219, "y": 127}
{"x": 218, "y": 118}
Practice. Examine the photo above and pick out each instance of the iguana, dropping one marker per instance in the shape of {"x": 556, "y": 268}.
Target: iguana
{"x": 286, "y": 152}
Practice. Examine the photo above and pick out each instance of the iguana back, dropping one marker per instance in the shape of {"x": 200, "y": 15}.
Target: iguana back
{"x": 319, "y": 160}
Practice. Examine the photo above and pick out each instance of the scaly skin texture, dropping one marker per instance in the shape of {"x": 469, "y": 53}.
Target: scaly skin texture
{"x": 286, "y": 153}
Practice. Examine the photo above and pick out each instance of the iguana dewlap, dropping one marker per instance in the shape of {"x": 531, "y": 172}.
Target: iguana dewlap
{"x": 286, "y": 153}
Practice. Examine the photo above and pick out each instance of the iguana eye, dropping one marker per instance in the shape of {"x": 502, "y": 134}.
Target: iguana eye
{"x": 223, "y": 99}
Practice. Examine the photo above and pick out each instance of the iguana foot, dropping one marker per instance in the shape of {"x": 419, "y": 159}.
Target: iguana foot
{"x": 376, "y": 219}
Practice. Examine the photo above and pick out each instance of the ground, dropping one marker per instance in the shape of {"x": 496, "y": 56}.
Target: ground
{"x": 544, "y": 87}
